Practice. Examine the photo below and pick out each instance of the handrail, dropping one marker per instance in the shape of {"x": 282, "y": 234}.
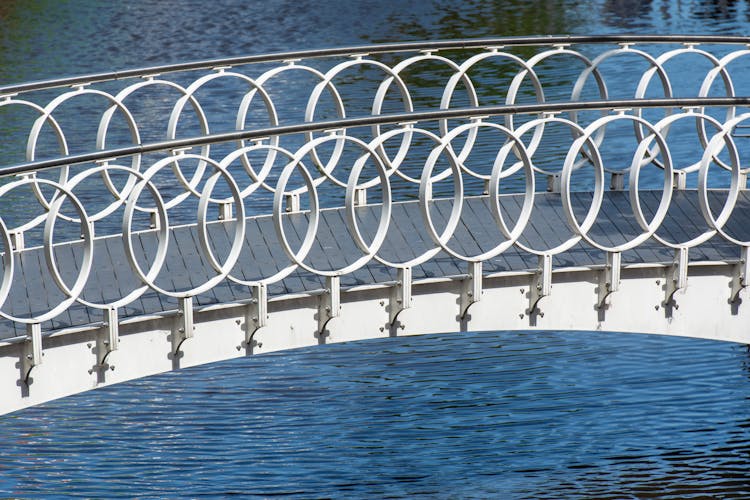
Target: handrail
{"x": 384, "y": 119}
{"x": 11, "y": 89}
{"x": 352, "y": 154}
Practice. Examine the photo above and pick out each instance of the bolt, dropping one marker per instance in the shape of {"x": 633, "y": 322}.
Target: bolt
{"x": 541, "y": 314}
{"x": 382, "y": 328}
{"x": 520, "y": 315}
{"x": 260, "y": 344}
{"x": 656, "y": 308}
{"x": 676, "y": 306}
{"x": 382, "y": 302}
{"x": 403, "y": 327}
{"x": 658, "y": 282}
{"x": 88, "y": 345}
{"x": 522, "y": 290}
{"x": 237, "y": 321}
{"x": 112, "y": 368}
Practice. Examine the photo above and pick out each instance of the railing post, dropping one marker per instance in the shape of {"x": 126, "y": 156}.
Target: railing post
{"x": 617, "y": 182}
{"x": 554, "y": 184}
{"x": 154, "y": 221}
{"x": 225, "y": 211}
{"x": 680, "y": 180}
{"x": 293, "y": 202}
{"x": 360, "y": 197}
{"x": 16, "y": 239}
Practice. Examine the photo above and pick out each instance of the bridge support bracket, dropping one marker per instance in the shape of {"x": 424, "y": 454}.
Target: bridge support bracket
{"x": 400, "y": 298}
{"x": 472, "y": 287}
{"x": 107, "y": 340}
{"x": 329, "y": 306}
{"x": 541, "y": 285}
{"x": 677, "y": 277}
{"x": 740, "y": 276}
{"x": 256, "y": 315}
{"x": 31, "y": 352}
{"x": 609, "y": 279}
{"x": 184, "y": 326}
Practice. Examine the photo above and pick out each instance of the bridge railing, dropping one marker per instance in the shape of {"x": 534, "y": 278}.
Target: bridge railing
{"x": 148, "y": 150}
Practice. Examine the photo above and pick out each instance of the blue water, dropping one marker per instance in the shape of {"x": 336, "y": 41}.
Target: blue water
{"x": 484, "y": 415}
{"x": 542, "y": 414}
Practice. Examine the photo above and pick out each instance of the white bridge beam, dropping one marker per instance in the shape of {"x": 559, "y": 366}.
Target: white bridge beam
{"x": 146, "y": 347}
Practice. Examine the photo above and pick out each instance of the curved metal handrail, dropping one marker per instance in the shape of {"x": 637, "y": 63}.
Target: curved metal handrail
{"x": 384, "y": 119}
{"x": 443, "y": 154}
{"x": 416, "y": 46}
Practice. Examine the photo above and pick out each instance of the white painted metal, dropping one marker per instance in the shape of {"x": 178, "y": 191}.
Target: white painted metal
{"x": 597, "y": 298}
{"x": 145, "y": 346}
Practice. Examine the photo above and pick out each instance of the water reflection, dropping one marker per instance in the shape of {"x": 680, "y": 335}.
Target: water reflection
{"x": 537, "y": 414}
{"x": 483, "y": 415}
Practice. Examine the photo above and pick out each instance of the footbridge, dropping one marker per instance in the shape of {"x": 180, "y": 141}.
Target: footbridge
{"x": 163, "y": 217}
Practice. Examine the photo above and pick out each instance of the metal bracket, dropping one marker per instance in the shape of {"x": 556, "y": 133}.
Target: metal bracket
{"x": 293, "y": 202}
{"x": 677, "y": 276}
{"x": 108, "y": 339}
{"x": 472, "y": 287}
{"x": 741, "y": 275}
{"x": 225, "y": 211}
{"x": 360, "y": 197}
{"x": 330, "y": 304}
{"x": 154, "y": 220}
{"x": 617, "y": 182}
{"x": 428, "y": 191}
{"x": 680, "y": 180}
{"x": 609, "y": 279}
{"x": 31, "y": 353}
{"x": 256, "y": 314}
{"x": 554, "y": 183}
{"x": 16, "y": 240}
{"x": 184, "y": 326}
{"x": 400, "y": 297}
{"x": 542, "y": 283}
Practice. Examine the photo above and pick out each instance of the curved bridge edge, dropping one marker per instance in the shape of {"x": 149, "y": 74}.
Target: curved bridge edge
{"x": 702, "y": 309}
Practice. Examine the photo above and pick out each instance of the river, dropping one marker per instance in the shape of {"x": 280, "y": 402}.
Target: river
{"x": 457, "y": 415}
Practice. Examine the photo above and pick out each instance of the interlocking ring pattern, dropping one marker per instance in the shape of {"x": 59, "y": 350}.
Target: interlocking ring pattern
{"x": 444, "y": 149}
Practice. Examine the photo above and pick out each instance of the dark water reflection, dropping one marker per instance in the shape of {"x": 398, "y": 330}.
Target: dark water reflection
{"x": 464, "y": 415}
{"x": 538, "y": 415}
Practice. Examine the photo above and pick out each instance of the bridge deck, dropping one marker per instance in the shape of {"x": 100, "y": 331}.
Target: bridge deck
{"x": 262, "y": 255}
